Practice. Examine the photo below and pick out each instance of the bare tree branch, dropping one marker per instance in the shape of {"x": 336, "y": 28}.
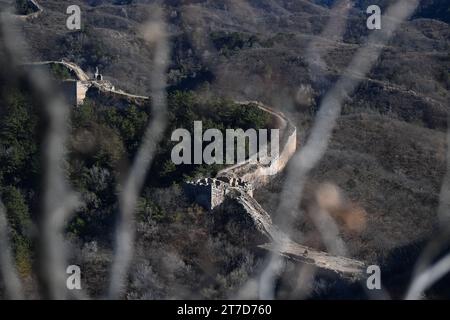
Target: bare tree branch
{"x": 58, "y": 199}
{"x": 315, "y": 147}
{"x": 155, "y": 34}
{"x": 8, "y": 272}
{"x": 427, "y": 278}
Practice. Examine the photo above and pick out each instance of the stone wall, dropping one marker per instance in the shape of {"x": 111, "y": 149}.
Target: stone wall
{"x": 258, "y": 174}
{"x": 34, "y": 5}
{"x": 211, "y": 192}
{"x": 75, "y": 91}
{"x": 247, "y": 175}
{"x": 232, "y": 183}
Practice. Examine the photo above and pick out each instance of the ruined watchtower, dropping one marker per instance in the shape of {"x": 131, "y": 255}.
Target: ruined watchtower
{"x": 211, "y": 192}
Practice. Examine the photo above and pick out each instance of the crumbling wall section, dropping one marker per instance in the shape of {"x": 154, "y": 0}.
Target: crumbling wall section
{"x": 211, "y": 192}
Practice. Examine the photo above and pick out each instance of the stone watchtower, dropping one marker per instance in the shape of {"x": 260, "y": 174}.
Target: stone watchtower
{"x": 211, "y": 192}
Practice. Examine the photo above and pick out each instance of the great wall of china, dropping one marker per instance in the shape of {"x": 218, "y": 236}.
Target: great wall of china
{"x": 75, "y": 90}
{"x": 238, "y": 181}
{"x": 37, "y": 10}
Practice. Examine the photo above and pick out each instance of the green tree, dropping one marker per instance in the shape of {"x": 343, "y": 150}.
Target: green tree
{"x": 20, "y": 223}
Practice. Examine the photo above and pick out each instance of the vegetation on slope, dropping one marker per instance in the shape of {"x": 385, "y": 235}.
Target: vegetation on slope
{"x": 103, "y": 142}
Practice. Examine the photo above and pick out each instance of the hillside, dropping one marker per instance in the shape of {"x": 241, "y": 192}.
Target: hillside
{"x": 387, "y": 155}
